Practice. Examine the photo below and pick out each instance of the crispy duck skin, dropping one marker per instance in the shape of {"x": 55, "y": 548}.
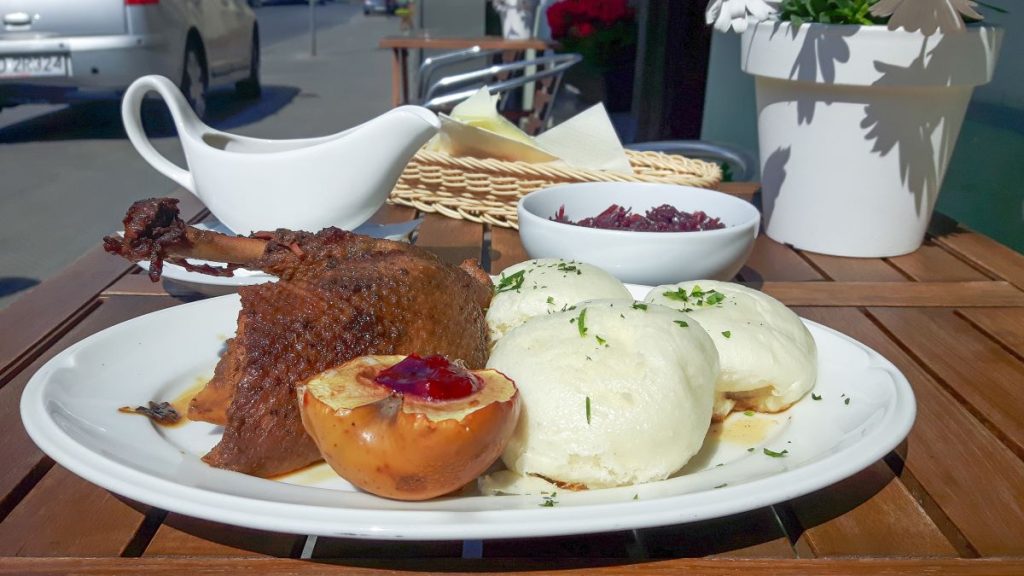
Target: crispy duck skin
{"x": 341, "y": 295}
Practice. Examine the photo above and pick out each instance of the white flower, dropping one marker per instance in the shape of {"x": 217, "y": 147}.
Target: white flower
{"x": 733, "y": 13}
{"x": 928, "y": 16}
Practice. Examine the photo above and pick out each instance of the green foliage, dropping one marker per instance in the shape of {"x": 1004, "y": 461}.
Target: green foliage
{"x": 829, "y": 12}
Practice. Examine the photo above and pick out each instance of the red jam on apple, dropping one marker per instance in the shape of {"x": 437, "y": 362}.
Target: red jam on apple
{"x": 433, "y": 378}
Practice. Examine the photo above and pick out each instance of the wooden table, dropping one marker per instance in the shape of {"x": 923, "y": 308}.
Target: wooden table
{"x": 950, "y": 499}
{"x": 400, "y": 46}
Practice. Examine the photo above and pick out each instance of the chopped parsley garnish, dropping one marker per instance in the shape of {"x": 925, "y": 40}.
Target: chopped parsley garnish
{"x": 748, "y": 412}
{"x": 639, "y": 306}
{"x": 581, "y": 322}
{"x": 727, "y": 334}
{"x": 679, "y": 294}
{"x": 775, "y": 454}
{"x": 721, "y": 485}
{"x": 549, "y": 500}
{"x": 681, "y": 323}
{"x": 511, "y": 282}
{"x": 588, "y": 410}
{"x": 550, "y": 300}
{"x": 636, "y": 496}
{"x": 750, "y": 449}
{"x": 697, "y": 295}
{"x": 600, "y": 340}
{"x": 563, "y": 267}
{"x": 815, "y": 396}
{"x": 847, "y": 401}
{"x": 714, "y": 298}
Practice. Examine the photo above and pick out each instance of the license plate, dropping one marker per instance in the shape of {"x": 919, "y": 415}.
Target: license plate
{"x": 34, "y": 66}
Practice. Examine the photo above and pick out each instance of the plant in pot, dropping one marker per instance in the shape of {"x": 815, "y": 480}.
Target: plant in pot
{"x": 860, "y": 103}
{"x": 604, "y": 33}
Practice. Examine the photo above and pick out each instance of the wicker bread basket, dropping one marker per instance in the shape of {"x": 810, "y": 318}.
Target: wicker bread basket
{"x": 480, "y": 190}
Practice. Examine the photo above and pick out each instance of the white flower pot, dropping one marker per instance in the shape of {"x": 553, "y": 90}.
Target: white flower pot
{"x": 856, "y": 127}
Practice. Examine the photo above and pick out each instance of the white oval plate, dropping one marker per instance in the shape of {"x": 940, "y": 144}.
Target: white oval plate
{"x": 69, "y": 408}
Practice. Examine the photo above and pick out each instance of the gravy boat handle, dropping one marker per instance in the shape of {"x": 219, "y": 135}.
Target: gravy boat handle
{"x": 184, "y": 119}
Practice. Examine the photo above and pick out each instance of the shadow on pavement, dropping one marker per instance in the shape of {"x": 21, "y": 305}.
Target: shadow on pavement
{"x": 14, "y": 284}
{"x": 102, "y": 120}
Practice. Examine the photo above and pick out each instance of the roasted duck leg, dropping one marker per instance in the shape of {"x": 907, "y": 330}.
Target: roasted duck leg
{"x": 340, "y": 295}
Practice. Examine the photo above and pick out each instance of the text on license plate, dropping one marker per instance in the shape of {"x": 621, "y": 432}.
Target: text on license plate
{"x": 34, "y": 66}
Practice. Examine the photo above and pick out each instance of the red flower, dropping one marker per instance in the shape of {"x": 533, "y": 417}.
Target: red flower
{"x": 584, "y": 29}
{"x": 558, "y": 20}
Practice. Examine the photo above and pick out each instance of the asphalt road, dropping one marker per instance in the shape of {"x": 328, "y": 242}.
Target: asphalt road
{"x": 68, "y": 173}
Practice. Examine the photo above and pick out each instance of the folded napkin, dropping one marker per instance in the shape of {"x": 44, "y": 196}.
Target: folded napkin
{"x": 475, "y": 128}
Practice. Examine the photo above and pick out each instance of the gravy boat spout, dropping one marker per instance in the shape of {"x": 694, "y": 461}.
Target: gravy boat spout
{"x": 254, "y": 184}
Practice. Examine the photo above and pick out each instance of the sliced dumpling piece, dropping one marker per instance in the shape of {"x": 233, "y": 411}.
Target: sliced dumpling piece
{"x": 613, "y": 393}
{"x": 544, "y": 286}
{"x": 768, "y": 357}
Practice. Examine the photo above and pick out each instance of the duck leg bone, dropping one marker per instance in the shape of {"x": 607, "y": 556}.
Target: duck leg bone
{"x": 154, "y": 232}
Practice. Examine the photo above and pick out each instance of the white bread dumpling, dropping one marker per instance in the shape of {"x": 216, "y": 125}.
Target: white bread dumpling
{"x": 768, "y": 357}
{"x": 613, "y": 392}
{"x": 544, "y": 286}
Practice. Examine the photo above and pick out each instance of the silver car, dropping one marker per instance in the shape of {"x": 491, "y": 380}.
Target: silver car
{"x": 70, "y": 50}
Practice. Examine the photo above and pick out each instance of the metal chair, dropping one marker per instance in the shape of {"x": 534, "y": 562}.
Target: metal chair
{"x": 544, "y": 73}
{"x": 431, "y": 65}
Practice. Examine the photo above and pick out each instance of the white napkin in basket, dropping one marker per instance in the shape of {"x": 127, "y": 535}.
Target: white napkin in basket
{"x": 475, "y": 128}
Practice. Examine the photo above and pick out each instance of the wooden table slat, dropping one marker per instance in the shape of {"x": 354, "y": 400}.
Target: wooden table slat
{"x": 901, "y": 294}
{"x": 855, "y": 269}
{"x": 754, "y": 534}
{"x": 65, "y": 515}
{"x": 868, "y": 514}
{"x": 450, "y": 239}
{"x": 771, "y": 261}
{"x": 506, "y": 249}
{"x": 986, "y": 254}
{"x": 977, "y": 369}
{"x": 181, "y": 535}
{"x": 963, "y": 467}
{"x": 1004, "y": 325}
{"x": 931, "y": 262}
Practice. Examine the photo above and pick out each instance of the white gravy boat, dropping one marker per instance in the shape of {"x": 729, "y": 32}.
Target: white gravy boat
{"x": 253, "y": 184}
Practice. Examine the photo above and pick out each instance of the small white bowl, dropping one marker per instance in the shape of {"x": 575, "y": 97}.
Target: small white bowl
{"x": 650, "y": 258}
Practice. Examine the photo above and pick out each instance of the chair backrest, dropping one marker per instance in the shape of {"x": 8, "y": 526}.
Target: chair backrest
{"x": 434, "y": 64}
{"x": 544, "y": 73}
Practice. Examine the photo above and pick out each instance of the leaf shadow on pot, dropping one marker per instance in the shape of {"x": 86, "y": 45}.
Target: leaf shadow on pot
{"x": 924, "y": 133}
{"x": 773, "y": 175}
{"x": 821, "y": 51}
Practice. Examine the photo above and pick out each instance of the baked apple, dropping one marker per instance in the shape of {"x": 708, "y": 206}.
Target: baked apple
{"x": 409, "y": 428}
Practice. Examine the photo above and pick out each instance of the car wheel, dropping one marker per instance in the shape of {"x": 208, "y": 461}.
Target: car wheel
{"x": 195, "y": 80}
{"x": 250, "y": 87}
